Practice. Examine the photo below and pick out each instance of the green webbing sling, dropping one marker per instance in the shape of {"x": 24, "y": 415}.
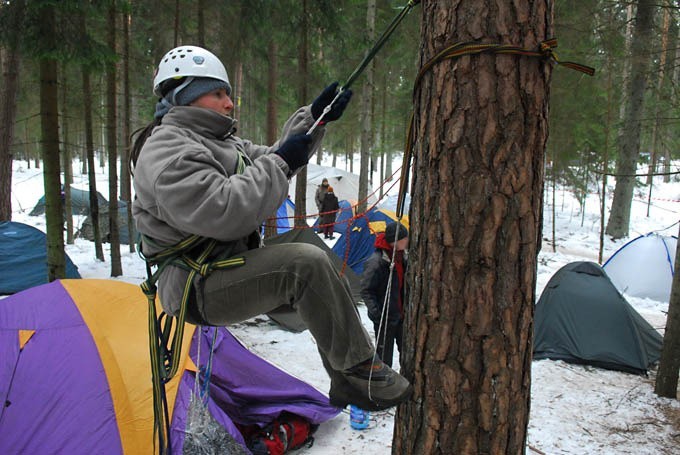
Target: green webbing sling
{"x": 165, "y": 345}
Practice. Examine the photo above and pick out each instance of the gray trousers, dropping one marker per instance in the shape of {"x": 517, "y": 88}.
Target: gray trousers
{"x": 295, "y": 274}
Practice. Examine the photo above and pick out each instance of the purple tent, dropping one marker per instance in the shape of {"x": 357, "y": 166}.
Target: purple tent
{"x": 75, "y": 375}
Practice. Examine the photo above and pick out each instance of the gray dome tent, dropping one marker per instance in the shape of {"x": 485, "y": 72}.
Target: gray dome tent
{"x": 582, "y": 318}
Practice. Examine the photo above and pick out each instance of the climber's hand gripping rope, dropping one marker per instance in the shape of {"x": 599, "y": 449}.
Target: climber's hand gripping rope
{"x": 344, "y": 89}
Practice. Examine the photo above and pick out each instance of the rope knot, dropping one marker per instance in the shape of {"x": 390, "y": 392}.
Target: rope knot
{"x": 205, "y": 269}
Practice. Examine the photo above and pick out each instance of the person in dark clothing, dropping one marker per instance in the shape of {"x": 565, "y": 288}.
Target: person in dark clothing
{"x": 321, "y": 191}
{"x": 329, "y": 212}
{"x": 375, "y": 284}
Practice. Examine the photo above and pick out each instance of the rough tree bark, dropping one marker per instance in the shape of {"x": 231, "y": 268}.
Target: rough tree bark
{"x": 481, "y": 131}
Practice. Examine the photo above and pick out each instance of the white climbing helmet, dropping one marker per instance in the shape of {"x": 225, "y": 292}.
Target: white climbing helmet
{"x": 189, "y": 61}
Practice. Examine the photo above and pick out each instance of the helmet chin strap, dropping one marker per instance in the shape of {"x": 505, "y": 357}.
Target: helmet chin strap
{"x": 179, "y": 88}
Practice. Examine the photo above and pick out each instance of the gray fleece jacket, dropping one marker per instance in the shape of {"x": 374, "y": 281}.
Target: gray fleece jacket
{"x": 186, "y": 183}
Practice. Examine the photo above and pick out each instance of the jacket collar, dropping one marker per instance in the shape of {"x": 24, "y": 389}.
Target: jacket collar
{"x": 205, "y": 122}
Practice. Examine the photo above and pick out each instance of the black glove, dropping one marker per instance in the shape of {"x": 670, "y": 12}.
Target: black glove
{"x": 295, "y": 151}
{"x": 324, "y": 100}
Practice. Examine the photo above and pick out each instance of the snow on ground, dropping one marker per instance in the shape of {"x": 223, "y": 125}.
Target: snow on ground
{"x": 574, "y": 409}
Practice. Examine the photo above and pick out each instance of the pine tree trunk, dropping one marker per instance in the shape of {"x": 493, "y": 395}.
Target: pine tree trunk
{"x": 49, "y": 126}
{"x": 669, "y": 364}
{"x": 658, "y": 96}
{"x": 201, "y": 22}
{"x": 8, "y": 109}
{"x": 366, "y": 113}
{"x": 125, "y": 181}
{"x": 303, "y": 72}
{"x": 112, "y": 143}
{"x": 629, "y": 140}
{"x": 67, "y": 166}
{"x": 675, "y": 82}
{"x": 272, "y": 129}
{"x": 91, "y": 165}
{"x": 481, "y": 132}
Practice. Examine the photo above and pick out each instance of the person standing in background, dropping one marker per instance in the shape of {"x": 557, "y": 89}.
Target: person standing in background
{"x": 329, "y": 212}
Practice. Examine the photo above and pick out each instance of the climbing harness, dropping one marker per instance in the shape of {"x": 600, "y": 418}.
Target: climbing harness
{"x": 367, "y": 59}
{"x": 167, "y": 332}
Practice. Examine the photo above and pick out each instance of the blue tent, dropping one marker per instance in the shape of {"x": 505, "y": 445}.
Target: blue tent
{"x": 23, "y": 258}
{"x": 361, "y": 237}
{"x": 643, "y": 267}
{"x": 285, "y": 217}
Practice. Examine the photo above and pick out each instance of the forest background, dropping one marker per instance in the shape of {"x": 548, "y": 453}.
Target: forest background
{"x": 76, "y": 81}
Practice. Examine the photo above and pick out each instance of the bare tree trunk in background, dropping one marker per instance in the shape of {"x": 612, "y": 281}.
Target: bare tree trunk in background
{"x": 475, "y": 218}
{"x": 303, "y": 72}
{"x": 625, "y": 76}
{"x": 67, "y": 166}
{"x": 366, "y": 113}
{"x": 654, "y": 158}
{"x": 125, "y": 181}
{"x": 176, "y": 26}
{"x": 238, "y": 92}
{"x": 111, "y": 139}
{"x": 605, "y": 160}
{"x": 629, "y": 140}
{"x": 553, "y": 212}
{"x": 669, "y": 364}
{"x": 8, "y": 108}
{"x": 89, "y": 149}
{"x": 383, "y": 135}
{"x": 49, "y": 126}
{"x": 91, "y": 165}
{"x": 272, "y": 128}
{"x": 201, "y": 22}
{"x": 675, "y": 82}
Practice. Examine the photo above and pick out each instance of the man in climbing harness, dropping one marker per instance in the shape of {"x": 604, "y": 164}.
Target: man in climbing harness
{"x": 382, "y": 288}
{"x": 201, "y": 195}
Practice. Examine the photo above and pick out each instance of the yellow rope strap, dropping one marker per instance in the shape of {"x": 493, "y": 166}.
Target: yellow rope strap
{"x": 545, "y": 51}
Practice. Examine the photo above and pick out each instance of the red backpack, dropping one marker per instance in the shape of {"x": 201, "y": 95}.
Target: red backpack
{"x": 287, "y": 432}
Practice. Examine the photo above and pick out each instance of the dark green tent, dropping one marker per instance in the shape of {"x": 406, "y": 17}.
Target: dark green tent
{"x": 80, "y": 203}
{"x": 86, "y": 231}
{"x": 582, "y": 318}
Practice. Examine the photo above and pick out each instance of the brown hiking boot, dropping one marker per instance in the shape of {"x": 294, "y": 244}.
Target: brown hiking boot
{"x": 372, "y": 386}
